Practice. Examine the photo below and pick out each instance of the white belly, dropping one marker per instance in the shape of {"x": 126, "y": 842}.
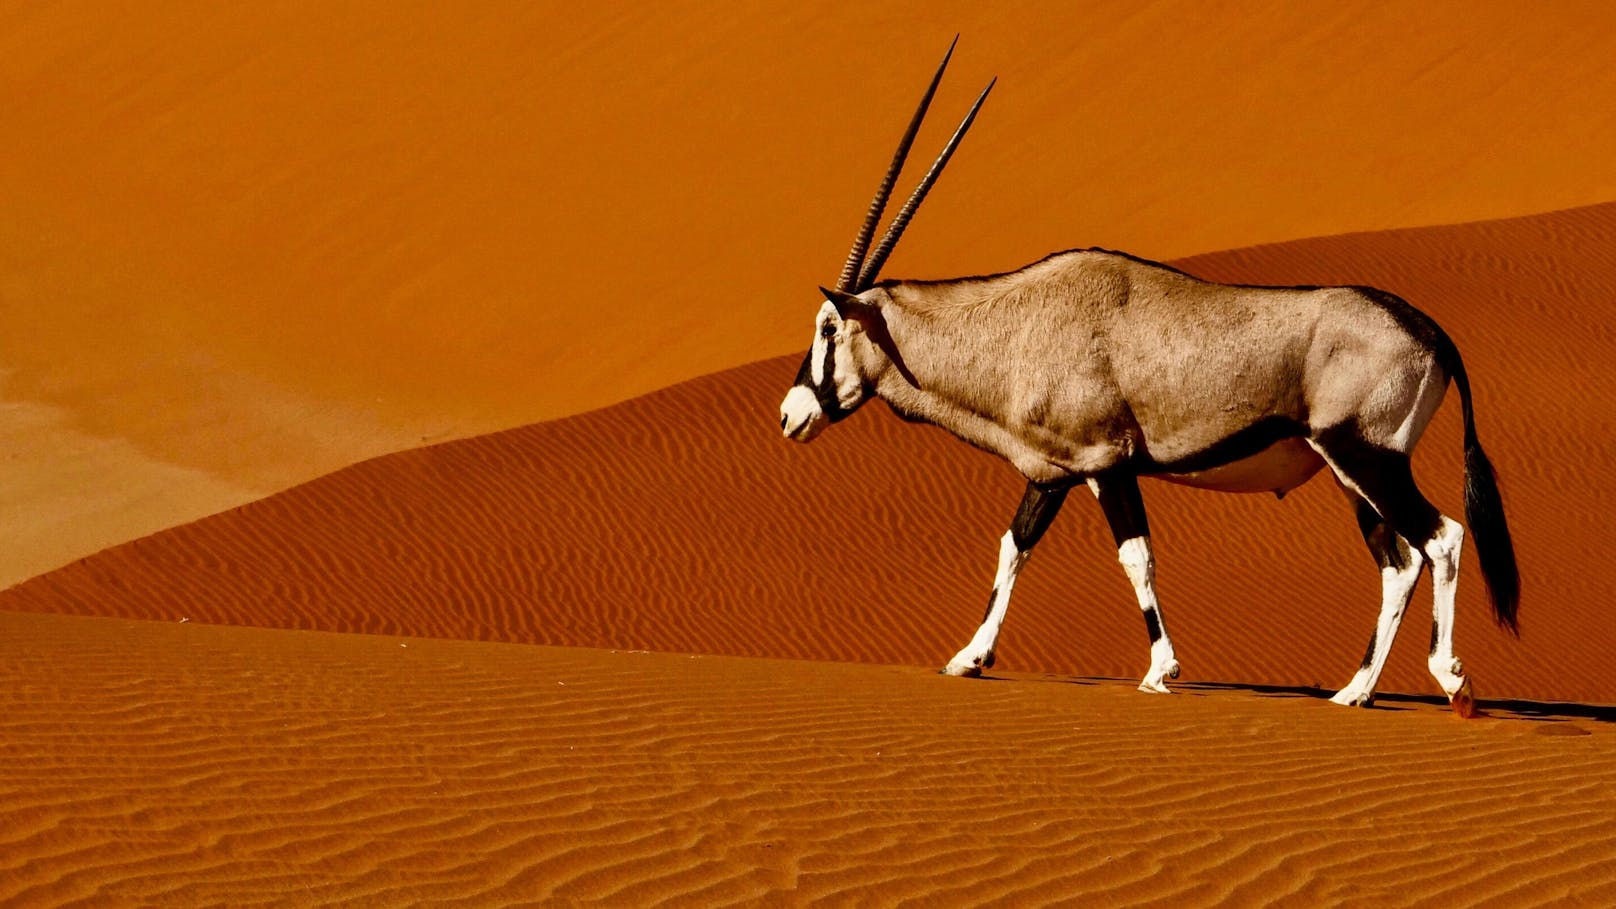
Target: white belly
{"x": 1278, "y": 469}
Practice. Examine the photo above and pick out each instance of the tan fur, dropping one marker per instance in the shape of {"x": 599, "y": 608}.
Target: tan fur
{"x": 1088, "y": 360}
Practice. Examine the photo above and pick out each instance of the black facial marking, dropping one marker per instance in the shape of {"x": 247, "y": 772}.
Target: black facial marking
{"x": 1369, "y": 652}
{"x": 825, "y": 391}
{"x": 1153, "y": 625}
{"x": 805, "y": 375}
{"x": 1039, "y": 505}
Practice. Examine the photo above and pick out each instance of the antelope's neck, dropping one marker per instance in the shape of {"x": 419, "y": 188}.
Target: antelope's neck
{"x": 939, "y": 372}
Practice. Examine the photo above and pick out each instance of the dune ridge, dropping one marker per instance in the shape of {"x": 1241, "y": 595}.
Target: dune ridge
{"x": 193, "y": 765}
{"x": 234, "y": 234}
{"x": 681, "y": 522}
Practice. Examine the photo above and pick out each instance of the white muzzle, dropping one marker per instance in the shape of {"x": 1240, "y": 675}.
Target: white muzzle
{"x": 801, "y": 418}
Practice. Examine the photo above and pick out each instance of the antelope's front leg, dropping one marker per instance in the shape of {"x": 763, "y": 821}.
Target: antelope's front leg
{"x": 1038, "y": 507}
{"x": 1125, "y": 511}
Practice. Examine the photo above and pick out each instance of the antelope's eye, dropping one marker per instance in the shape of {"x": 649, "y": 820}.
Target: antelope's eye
{"x": 828, "y": 330}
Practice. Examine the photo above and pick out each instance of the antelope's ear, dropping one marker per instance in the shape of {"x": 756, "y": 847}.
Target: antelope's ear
{"x": 848, "y": 306}
{"x": 845, "y": 303}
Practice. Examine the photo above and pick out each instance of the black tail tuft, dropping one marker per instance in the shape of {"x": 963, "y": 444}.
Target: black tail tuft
{"x": 1484, "y": 513}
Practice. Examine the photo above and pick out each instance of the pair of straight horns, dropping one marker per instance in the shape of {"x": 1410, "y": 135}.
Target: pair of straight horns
{"x": 858, "y": 274}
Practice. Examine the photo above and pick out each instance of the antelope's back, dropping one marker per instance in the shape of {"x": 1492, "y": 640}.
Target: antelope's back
{"x": 1199, "y": 362}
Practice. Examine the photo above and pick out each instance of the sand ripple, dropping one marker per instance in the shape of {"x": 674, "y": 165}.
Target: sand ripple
{"x": 193, "y": 765}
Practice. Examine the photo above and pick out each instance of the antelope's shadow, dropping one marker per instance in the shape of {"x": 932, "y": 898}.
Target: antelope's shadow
{"x": 1494, "y": 708}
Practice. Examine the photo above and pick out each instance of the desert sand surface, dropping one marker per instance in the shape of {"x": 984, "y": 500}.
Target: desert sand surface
{"x": 191, "y": 765}
{"x": 681, "y": 521}
{"x": 395, "y": 511}
{"x": 245, "y": 246}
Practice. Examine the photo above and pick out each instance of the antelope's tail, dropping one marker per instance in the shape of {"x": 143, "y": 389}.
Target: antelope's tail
{"x": 1484, "y": 511}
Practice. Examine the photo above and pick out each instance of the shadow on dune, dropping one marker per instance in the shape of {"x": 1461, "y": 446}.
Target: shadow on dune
{"x": 1500, "y": 709}
{"x": 1506, "y": 708}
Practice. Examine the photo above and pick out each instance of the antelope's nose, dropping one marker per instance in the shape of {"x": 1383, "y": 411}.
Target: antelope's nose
{"x": 799, "y": 414}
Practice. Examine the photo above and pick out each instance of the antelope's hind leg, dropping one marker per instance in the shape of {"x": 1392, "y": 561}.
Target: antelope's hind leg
{"x": 1400, "y": 566}
{"x": 1125, "y": 511}
{"x": 1038, "y": 508}
{"x": 1384, "y": 478}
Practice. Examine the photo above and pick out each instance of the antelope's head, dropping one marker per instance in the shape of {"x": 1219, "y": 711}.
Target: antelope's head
{"x": 832, "y": 383}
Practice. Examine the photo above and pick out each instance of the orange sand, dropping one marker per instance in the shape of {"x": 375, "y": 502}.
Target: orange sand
{"x": 245, "y": 245}
{"x": 188, "y": 765}
{"x": 241, "y": 248}
{"x": 681, "y": 521}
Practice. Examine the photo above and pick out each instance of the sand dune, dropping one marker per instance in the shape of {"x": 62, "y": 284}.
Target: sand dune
{"x": 249, "y": 246}
{"x": 187, "y": 765}
{"x": 680, "y": 521}
{"x": 244, "y": 248}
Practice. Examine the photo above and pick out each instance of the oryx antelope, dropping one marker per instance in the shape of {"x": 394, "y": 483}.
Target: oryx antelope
{"x": 1095, "y": 368}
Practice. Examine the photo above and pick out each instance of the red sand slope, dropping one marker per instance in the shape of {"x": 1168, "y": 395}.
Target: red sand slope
{"x": 681, "y": 521}
{"x": 187, "y": 765}
{"x": 243, "y": 245}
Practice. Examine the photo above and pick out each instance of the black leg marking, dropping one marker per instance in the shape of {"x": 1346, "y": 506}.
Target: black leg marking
{"x": 1039, "y": 505}
{"x": 1153, "y": 625}
{"x": 1124, "y": 507}
{"x": 1435, "y": 629}
{"x": 1385, "y": 479}
{"x": 992, "y": 597}
{"x": 1388, "y": 549}
{"x": 1369, "y": 652}
{"x": 1404, "y": 555}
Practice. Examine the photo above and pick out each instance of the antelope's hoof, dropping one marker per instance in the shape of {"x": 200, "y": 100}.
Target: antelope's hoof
{"x": 1464, "y": 701}
{"x": 967, "y": 666}
{"x": 1348, "y": 698}
{"x": 1154, "y": 687}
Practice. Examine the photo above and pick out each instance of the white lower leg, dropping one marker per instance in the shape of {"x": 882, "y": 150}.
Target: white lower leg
{"x": 978, "y": 654}
{"x": 1397, "y": 586}
{"x": 1443, "y": 550}
{"x": 1138, "y": 562}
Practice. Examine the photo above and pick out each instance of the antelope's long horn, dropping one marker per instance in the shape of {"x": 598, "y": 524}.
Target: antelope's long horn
{"x": 894, "y": 231}
{"x": 878, "y": 205}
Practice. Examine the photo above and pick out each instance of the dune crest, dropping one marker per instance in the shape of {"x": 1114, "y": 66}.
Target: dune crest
{"x": 680, "y": 521}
